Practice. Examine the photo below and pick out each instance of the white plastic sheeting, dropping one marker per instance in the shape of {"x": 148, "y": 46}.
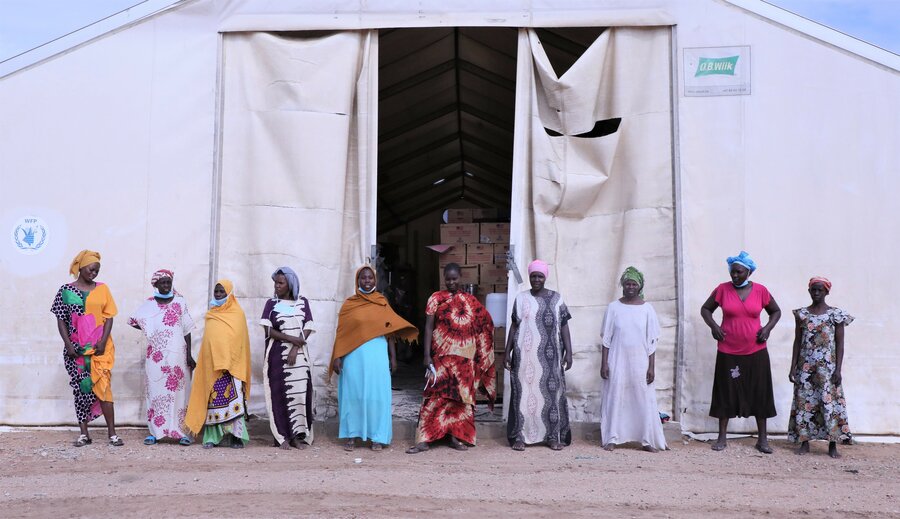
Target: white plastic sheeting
{"x": 298, "y": 176}
{"x": 592, "y": 206}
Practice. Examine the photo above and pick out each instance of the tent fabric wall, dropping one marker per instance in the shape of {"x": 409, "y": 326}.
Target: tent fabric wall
{"x": 592, "y": 206}
{"x": 298, "y": 175}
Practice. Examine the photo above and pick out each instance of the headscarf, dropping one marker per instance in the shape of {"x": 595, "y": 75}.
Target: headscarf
{"x": 292, "y": 279}
{"x": 538, "y": 266}
{"x": 364, "y": 317}
{"x": 83, "y": 259}
{"x": 742, "y": 259}
{"x": 634, "y": 275}
{"x": 159, "y": 274}
{"x": 225, "y": 347}
{"x": 820, "y": 279}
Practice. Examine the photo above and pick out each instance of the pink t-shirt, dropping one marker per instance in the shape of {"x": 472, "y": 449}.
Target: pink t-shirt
{"x": 740, "y": 319}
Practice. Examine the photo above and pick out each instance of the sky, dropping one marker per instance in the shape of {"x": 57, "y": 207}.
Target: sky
{"x": 25, "y": 24}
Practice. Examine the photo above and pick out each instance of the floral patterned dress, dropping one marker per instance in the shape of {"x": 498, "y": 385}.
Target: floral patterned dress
{"x": 819, "y": 411}
{"x": 166, "y": 371}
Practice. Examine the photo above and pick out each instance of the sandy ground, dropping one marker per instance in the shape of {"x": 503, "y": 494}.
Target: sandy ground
{"x": 43, "y": 476}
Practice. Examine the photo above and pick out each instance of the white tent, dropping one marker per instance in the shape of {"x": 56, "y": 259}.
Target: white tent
{"x": 226, "y": 138}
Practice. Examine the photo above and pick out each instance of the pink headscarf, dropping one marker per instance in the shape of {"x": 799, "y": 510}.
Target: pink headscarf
{"x": 538, "y": 266}
{"x": 820, "y": 279}
{"x": 161, "y": 273}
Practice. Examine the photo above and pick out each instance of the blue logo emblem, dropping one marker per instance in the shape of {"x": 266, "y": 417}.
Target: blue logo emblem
{"x": 30, "y": 235}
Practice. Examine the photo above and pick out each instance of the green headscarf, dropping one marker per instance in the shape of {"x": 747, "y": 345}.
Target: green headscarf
{"x": 634, "y": 275}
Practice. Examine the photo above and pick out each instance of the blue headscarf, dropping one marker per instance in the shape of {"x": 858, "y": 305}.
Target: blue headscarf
{"x": 742, "y": 259}
{"x": 292, "y": 279}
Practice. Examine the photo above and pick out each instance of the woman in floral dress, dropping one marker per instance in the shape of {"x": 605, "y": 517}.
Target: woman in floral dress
{"x": 167, "y": 325}
{"x": 819, "y": 411}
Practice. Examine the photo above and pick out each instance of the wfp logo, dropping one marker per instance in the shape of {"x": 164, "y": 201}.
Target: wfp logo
{"x": 716, "y": 66}
{"x": 30, "y": 235}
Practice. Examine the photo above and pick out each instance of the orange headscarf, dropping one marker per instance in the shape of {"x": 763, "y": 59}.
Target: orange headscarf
{"x": 83, "y": 259}
{"x": 364, "y": 317}
{"x": 225, "y": 347}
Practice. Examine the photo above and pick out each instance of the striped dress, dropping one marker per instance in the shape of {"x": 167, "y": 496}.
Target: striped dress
{"x": 290, "y": 400}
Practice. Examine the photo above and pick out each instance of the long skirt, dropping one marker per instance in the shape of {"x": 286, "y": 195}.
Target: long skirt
{"x": 289, "y": 394}
{"x": 628, "y": 411}
{"x": 442, "y": 416}
{"x": 225, "y": 414}
{"x": 364, "y": 393}
{"x": 742, "y": 386}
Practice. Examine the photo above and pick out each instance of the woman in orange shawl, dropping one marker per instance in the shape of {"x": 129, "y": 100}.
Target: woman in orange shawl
{"x": 366, "y": 331}
{"x": 84, "y": 313}
{"x": 221, "y": 386}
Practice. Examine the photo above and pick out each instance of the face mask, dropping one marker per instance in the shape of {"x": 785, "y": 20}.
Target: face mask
{"x": 742, "y": 285}
{"x": 366, "y": 291}
{"x": 170, "y": 295}
{"x": 217, "y": 302}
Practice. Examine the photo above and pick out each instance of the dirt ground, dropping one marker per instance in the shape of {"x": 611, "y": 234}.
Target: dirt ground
{"x": 44, "y": 476}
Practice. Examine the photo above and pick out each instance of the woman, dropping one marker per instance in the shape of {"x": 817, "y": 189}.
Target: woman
{"x": 819, "y": 411}
{"x": 221, "y": 386}
{"x": 84, "y": 313}
{"x": 364, "y": 356}
{"x": 537, "y": 363}
{"x": 287, "y": 372}
{"x": 459, "y": 357}
{"x": 742, "y": 384}
{"x": 628, "y": 369}
{"x": 167, "y": 325}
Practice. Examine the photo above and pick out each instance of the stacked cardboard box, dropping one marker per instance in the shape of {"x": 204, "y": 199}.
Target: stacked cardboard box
{"x": 478, "y": 247}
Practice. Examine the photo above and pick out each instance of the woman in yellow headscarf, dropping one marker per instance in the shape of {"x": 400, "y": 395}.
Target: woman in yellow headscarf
{"x": 221, "y": 385}
{"x": 84, "y": 311}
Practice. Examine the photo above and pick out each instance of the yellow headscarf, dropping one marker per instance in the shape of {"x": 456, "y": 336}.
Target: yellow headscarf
{"x": 225, "y": 347}
{"x": 83, "y": 259}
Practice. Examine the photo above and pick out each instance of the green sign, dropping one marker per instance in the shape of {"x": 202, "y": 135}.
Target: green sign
{"x": 716, "y": 66}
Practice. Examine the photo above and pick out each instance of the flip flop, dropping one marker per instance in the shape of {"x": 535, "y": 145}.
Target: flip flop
{"x": 458, "y": 445}
{"x": 115, "y": 441}
{"x": 350, "y": 445}
{"x": 415, "y": 449}
{"x": 83, "y": 440}
{"x": 376, "y": 446}
{"x": 185, "y": 441}
{"x": 209, "y": 445}
{"x": 518, "y": 447}
{"x": 150, "y": 440}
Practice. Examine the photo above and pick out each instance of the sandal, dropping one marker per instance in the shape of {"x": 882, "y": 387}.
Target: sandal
{"x": 236, "y": 443}
{"x": 376, "y": 446}
{"x": 555, "y": 445}
{"x": 458, "y": 445}
{"x": 209, "y": 445}
{"x": 115, "y": 441}
{"x": 415, "y": 449}
{"x": 350, "y": 445}
{"x": 185, "y": 441}
{"x": 83, "y": 440}
{"x": 150, "y": 440}
{"x": 519, "y": 446}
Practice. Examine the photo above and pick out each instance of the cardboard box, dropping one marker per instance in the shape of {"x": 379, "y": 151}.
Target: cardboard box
{"x": 484, "y": 214}
{"x": 459, "y": 216}
{"x": 456, "y": 254}
{"x": 500, "y": 289}
{"x": 494, "y": 232}
{"x": 493, "y": 274}
{"x": 479, "y": 253}
{"x": 499, "y": 339}
{"x": 459, "y": 233}
{"x": 468, "y": 275}
{"x": 500, "y": 250}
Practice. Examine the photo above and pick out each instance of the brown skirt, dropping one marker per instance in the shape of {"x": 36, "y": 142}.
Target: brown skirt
{"x": 742, "y": 386}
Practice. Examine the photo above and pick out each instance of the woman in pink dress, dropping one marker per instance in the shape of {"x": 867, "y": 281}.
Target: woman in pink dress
{"x": 742, "y": 385}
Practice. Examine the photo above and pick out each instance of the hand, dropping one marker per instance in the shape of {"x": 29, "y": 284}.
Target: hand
{"x": 651, "y": 376}
{"x": 836, "y": 377}
{"x": 604, "y": 372}
{"x": 426, "y": 363}
{"x": 718, "y": 333}
{"x": 70, "y": 351}
{"x": 292, "y": 356}
{"x": 298, "y": 341}
{"x": 338, "y": 365}
{"x": 567, "y": 361}
{"x": 507, "y": 362}
{"x": 762, "y": 335}
{"x": 393, "y": 365}
{"x": 100, "y": 347}
{"x": 792, "y": 375}
{"x": 191, "y": 363}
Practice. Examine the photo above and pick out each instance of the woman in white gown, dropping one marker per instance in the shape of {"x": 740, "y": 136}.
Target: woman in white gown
{"x": 630, "y": 332}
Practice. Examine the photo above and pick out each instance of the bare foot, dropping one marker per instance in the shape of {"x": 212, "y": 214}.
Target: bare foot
{"x": 804, "y": 448}
{"x": 518, "y": 446}
{"x": 832, "y": 450}
{"x": 555, "y": 445}
{"x": 285, "y": 446}
{"x": 350, "y": 445}
{"x": 650, "y": 448}
{"x": 764, "y": 448}
{"x": 609, "y": 447}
